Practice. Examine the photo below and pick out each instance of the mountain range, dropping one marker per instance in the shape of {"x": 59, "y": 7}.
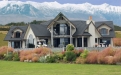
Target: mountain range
{"x": 18, "y": 11}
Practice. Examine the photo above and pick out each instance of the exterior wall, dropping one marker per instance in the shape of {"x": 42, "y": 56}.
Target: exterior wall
{"x": 29, "y": 31}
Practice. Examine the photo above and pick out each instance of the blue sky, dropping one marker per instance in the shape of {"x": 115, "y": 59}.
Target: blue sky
{"x": 111, "y": 2}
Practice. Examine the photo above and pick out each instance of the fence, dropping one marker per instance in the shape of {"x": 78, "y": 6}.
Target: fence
{"x": 77, "y": 48}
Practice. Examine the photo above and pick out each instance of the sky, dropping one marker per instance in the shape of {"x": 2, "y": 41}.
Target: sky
{"x": 95, "y": 2}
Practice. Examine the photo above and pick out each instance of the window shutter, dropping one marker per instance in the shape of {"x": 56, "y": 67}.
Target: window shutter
{"x": 14, "y": 36}
{"x": 20, "y": 34}
{"x": 107, "y": 31}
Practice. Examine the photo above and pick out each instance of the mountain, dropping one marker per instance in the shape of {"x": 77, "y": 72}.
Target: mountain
{"x": 17, "y": 11}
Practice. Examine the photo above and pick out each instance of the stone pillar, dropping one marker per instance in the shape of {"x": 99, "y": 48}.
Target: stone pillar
{"x": 70, "y": 35}
{"x": 52, "y": 35}
{"x": 76, "y": 42}
{"x": 82, "y": 41}
{"x": 111, "y": 42}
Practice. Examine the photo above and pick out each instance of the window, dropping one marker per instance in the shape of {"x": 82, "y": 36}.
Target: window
{"x": 104, "y": 31}
{"x": 17, "y": 34}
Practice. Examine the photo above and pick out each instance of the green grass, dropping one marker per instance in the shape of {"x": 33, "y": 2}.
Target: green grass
{"x": 118, "y": 34}
{"x": 21, "y": 68}
{"x": 2, "y": 42}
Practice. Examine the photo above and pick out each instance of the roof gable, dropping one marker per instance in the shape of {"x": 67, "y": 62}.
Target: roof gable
{"x": 57, "y": 17}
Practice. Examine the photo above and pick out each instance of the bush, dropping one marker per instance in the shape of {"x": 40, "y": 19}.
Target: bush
{"x": 70, "y": 56}
{"x": 110, "y": 60}
{"x": 92, "y": 57}
{"x": 35, "y": 59}
{"x": 42, "y": 59}
{"x": 69, "y": 47}
{"x": 84, "y": 54}
{"x": 3, "y": 50}
{"x": 118, "y": 56}
{"x": 51, "y": 59}
{"x": 78, "y": 52}
{"x": 9, "y": 56}
{"x": 16, "y": 56}
{"x": 80, "y": 60}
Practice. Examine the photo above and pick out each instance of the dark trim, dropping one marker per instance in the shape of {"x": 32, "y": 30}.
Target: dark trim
{"x": 104, "y": 24}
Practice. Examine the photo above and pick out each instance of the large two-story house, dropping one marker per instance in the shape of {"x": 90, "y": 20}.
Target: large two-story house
{"x": 61, "y": 31}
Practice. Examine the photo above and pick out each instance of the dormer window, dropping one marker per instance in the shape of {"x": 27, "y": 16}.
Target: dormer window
{"x": 17, "y": 34}
{"x": 104, "y": 31}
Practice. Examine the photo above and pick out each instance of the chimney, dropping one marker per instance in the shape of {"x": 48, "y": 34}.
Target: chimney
{"x": 90, "y": 17}
{"x": 89, "y": 20}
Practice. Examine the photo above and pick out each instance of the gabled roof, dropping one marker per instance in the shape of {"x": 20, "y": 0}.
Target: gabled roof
{"x": 80, "y": 27}
{"x": 109, "y": 24}
{"x": 40, "y": 30}
{"x": 60, "y": 15}
{"x": 9, "y": 34}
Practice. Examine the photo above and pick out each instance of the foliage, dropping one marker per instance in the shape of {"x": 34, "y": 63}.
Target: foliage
{"x": 69, "y": 47}
{"x": 117, "y": 28}
{"x": 9, "y": 56}
{"x": 4, "y": 50}
{"x": 16, "y": 56}
{"x": 42, "y": 59}
{"x": 80, "y": 60}
{"x": 51, "y": 59}
{"x": 78, "y": 52}
{"x": 92, "y": 57}
{"x": 84, "y": 54}
{"x": 117, "y": 41}
{"x": 70, "y": 56}
{"x": 34, "y": 55}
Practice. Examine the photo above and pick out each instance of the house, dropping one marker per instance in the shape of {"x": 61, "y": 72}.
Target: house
{"x": 61, "y": 31}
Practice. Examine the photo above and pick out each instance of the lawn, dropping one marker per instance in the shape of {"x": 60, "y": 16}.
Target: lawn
{"x": 2, "y": 42}
{"x": 118, "y": 34}
{"x": 20, "y": 68}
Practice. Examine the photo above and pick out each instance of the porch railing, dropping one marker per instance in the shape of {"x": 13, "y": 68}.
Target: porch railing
{"x": 77, "y": 48}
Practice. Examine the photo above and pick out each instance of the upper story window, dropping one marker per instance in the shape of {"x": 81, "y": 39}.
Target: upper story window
{"x": 104, "y": 31}
{"x": 17, "y": 34}
{"x": 61, "y": 29}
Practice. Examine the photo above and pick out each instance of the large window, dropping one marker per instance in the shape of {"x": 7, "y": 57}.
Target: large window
{"x": 61, "y": 29}
{"x": 104, "y": 31}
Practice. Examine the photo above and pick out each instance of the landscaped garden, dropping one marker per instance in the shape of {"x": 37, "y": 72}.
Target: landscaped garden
{"x": 44, "y": 55}
{"x": 69, "y": 62}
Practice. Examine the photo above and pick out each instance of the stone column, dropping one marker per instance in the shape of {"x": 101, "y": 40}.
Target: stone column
{"x": 52, "y": 35}
{"x": 70, "y": 35}
{"x": 111, "y": 42}
{"x": 82, "y": 41}
{"x": 76, "y": 42}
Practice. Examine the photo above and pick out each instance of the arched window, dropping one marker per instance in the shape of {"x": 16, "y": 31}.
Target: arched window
{"x": 31, "y": 39}
{"x": 17, "y": 34}
{"x": 104, "y": 31}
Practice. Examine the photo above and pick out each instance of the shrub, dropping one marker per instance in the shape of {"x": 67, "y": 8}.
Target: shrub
{"x": 70, "y": 56}
{"x": 78, "y": 52}
{"x": 84, "y": 54}
{"x": 35, "y": 59}
{"x": 118, "y": 56}
{"x": 3, "y": 50}
{"x": 9, "y": 56}
{"x": 16, "y": 56}
{"x": 42, "y": 59}
{"x": 69, "y": 47}
{"x": 92, "y": 57}
{"x": 80, "y": 60}
{"x": 110, "y": 60}
{"x": 51, "y": 59}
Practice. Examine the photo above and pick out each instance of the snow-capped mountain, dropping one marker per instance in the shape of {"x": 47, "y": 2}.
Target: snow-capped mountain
{"x": 17, "y": 11}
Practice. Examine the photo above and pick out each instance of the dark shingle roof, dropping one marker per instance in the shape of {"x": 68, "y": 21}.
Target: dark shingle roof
{"x": 9, "y": 34}
{"x": 108, "y": 23}
{"x": 40, "y": 30}
{"x": 80, "y": 27}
